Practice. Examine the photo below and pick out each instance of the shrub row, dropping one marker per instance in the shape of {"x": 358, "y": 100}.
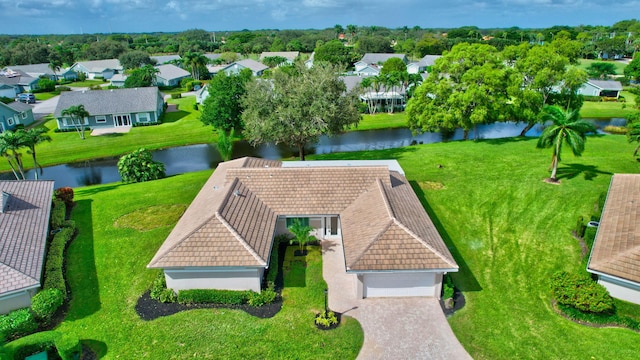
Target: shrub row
{"x": 65, "y": 194}
{"x": 266, "y": 296}
{"x": 16, "y": 324}
{"x": 58, "y": 214}
{"x": 45, "y": 304}
{"x": 603, "y": 319}
{"x": 213, "y": 296}
{"x": 67, "y": 346}
{"x": 54, "y": 275}
{"x": 580, "y": 292}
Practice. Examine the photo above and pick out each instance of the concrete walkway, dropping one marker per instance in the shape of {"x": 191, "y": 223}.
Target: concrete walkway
{"x": 394, "y": 328}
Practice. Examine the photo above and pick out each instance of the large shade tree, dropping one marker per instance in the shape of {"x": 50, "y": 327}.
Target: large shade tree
{"x": 142, "y": 77}
{"x": 467, "y": 87}
{"x": 297, "y": 107}
{"x": 77, "y": 114}
{"x": 566, "y": 128}
{"x": 223, "y": 108}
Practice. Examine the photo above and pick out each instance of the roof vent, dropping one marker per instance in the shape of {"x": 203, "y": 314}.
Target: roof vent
{"x": 236, "y": 192}
{"x": 4, "y": 201}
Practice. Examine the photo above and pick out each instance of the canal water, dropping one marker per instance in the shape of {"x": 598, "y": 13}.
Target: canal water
{"x": 184, "y": 159}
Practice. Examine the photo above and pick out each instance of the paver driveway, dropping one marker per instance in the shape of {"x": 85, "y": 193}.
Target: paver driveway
{"x": 394, "y": 328}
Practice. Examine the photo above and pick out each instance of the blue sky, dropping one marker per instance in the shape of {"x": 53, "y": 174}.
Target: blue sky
{"x": 105, "y": 16}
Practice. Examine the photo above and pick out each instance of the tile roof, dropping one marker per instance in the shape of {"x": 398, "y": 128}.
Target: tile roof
{"x": 616, "y": 250}
{"x": 105, "y": 102}
{"x": 248, "y": 63}
{"x": 290, "y": 55}
{"x": 163, "y": 59}
{"x": 606, "y": 84}
{"x": 24, "y": 226}
{"x": 16, "y": 77}
{"x": 101, "y": 65}
{"x": 19, "y": 106}
{"x": 231, "y": 222}
{"x": 170, "y": 72}
{"x": 379, "y": 58}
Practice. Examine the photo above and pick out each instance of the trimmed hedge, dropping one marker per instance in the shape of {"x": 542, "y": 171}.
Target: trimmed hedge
{"x": 213, "y": 296}
{"x": 580, "y": 292}
{"x": 266, "y": 296}
{"x": 54, "y": 274}
{"x": 46, "y": 302}
{"x": 17, "y": 323}
{"x": 67, "y": 345}
{"x": 58, "y": 214}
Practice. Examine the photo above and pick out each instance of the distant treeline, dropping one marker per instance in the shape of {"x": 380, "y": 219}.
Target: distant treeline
{"x": 620, "y": 39}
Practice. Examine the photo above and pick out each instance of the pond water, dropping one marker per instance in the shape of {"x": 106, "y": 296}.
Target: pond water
{"x": 183, "y": 159}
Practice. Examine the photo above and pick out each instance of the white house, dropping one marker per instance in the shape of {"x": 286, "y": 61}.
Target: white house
{"x": 98, "y": 68}
{"x": 422, "y": 65}
{"x": 257, "y": 68}
{"x": 374, "y": 61}
{"x": 224, "y": 239}
{"x": 615, "y": 256}
{"x": 607, "y": 88}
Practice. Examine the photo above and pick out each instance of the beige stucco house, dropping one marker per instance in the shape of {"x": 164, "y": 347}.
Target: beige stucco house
{"x": 224, "y": 239}
{"x": 615, "y": 257}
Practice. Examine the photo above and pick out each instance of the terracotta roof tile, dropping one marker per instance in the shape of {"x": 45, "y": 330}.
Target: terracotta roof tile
{"x": 616, "y": 250}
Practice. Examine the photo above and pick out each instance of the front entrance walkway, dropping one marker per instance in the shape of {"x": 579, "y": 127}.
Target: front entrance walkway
{"x": 394, "y": 328}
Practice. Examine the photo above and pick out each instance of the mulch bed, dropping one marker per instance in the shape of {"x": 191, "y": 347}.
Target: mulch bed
{"x": 332, "y": 326}
{"x": 149, "y": 309}
{"x": 458, "y": 303}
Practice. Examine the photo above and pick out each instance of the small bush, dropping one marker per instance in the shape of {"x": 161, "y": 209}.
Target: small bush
{"x": 67, "y": 346}
{"x": 139, "y": 166}
{"x": 266, "y": 296}
{"x": 326, "y": 319}
{"x": 65, "y": 194}
{"x": 176, "y": 95}
{"x": 592, "y": 98}
{"x": 160, "y": 292}
{"x": 580, "y": 227}
{"x": 590, "y": 236}
{"x": 616, "y": 130}
{"x": 63, "y": 88}
{"x": 58, "y": 214}
{"x": 17, "y": 323}
{"x": 447, "y": 288}
{"x": 213, "y": 296}
{"x": 45, "y": 303}
{"x": 580, "y": 292}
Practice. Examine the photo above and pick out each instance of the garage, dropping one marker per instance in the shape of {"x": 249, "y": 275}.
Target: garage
{"x": 400, "y": 284}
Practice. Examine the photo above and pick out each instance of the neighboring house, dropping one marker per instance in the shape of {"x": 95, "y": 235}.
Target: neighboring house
{"x": 615, "y": 257}
{"x": 170, "y": 75}
{"x": 212, "y": 56}
{"x": 368, "y": 70}
{"x": 118, "y": 80}
{"x": 422, "y": 65}
{"x": 202, "y": 94}
{"x": 19, "y": 80}
{"x": 606, "y": 88}
{"x": 224, "y": 239}
{"x": 289, "y": 55}
{"x": 257, "y": 69}
{"x": 112, "y": 108}
{"x": 14, "y": 114}
{"x": 377, "y": 59}
{"x": 98, "y": 68}
{"x": 8, "y": 91}
{"x": 39, "y": 70}
{"x": 309, "y": 62}
{"x": 214, "y": 69}
{"x": 25, "y": 207}
{"x": 384, "y": 97}
{"x": 164, "y": 59}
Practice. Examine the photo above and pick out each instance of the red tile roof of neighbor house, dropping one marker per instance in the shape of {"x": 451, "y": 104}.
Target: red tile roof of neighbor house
{"x": 24, "y": 225}
{"x": 231, "y": 222}
{"x": 616, "y": 250}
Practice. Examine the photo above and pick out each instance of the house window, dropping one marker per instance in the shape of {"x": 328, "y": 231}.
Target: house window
{"x": 24, "y": 115}
{"x": 143, "y": 117}
{"x": 101, "y": 119}
{"x": 69, "y": 122}
{"x": 10, "y": 121}
{"x": 304, "y": 221}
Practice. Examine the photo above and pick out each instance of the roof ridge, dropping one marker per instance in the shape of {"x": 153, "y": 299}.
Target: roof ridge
{"x": 385, "y": 199}
{"x": 240, "y": 239}
{"x": 373, "y": 241}
{"x": 405, "y": 228}
{"x": 18, "y": 271}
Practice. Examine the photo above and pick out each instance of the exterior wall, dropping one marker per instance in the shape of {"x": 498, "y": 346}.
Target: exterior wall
{"x": 232, "y": 279}
{"x": 9, "y": 92}
{"x": 589, "y": 90}
{"x": 621, "y": 290}
{"x": 11, "y": 119}
{"x": 168, "y": 82}
{"x": 16, "y": 301}
{"x": 109, "y": 120}
{"x": 400, "y": 284}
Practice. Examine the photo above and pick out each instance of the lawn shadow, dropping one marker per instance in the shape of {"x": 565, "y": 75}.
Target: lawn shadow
{"x": 171, "y": 117}
{"x": 99, "y": 348}
{"x": 507, "y": 140}
{"x": 81, "y": 274}
{"x": 570, "y": 171}
{"x": 294, "y": 269}
{"x": 373, "y": 154}
{"x": 469, "y": 281}
{"x": 98, "y": 189}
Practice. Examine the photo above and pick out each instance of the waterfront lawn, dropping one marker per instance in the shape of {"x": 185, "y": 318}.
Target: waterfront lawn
{"x": 107, "y": 273}
{"x": 178, "y": 128}
{"x": 509, "y": 232}
{"x": 609, "y": 109}
{"x": 382, "y": 121}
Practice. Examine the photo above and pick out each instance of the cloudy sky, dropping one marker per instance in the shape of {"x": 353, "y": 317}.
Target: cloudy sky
{"x": 106, "y": 16}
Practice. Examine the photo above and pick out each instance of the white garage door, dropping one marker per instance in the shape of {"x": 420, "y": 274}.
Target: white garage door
{"x": 399, "y": 284}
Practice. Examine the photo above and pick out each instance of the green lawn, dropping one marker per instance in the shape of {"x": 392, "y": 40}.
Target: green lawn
{"x": 509, "y": 231}
{"x": 592, "y": 109}
{"x": 382, "y": 121}
{"x": 107, "y": 274}
{"x": 41, "y": 96}
{"x": 585, "y": 63}
{"x": 178, "y": 128}
{"x": 86, "y": 83}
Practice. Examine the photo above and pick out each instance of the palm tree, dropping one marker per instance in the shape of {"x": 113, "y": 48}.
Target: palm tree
{"x": 31, "y": 138}
{"x": 301, "y": 233}
{"x": 225, "y": 144}
{"x": 55, "y": 65}
{"x": 567, "y": 128}
{"x": 633, "y": 134}
{"x": 195, "y": 60}
{"x": 10, "y": 143}
{"x": 77, "y": 113}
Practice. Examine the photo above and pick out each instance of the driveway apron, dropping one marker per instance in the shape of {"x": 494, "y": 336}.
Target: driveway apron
{"x": 394, "y": 328}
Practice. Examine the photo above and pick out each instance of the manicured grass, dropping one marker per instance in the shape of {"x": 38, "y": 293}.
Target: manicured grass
{"x": 509, "y": 231}
{"x": 619, "y": 66}
{"x": 592, "y": 109}
{"x": 45, "y": 95}
{"x": 178, "y": 128}
{"x": 382, "y": 121}
{"x": 86, "y": 83}
{"x": 107, "y": 273}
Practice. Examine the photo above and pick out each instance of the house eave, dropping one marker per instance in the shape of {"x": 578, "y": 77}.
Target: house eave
{"x": 440, "y": 270}
{"x": 617, "y": 278}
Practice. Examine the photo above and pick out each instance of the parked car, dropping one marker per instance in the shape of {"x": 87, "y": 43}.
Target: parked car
{"x": 26, "y": 98}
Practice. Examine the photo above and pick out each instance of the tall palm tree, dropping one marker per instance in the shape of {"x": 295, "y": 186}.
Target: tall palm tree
{"x": 10, "y": 143}
{"x": 55, "y": 65}
{"x": 31, "y": 138}
{"x": 77, "y": 113}
{"x": 567, "y": 128}
{"x": 195, "y": 61}
{"x": 633, "y": 134}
